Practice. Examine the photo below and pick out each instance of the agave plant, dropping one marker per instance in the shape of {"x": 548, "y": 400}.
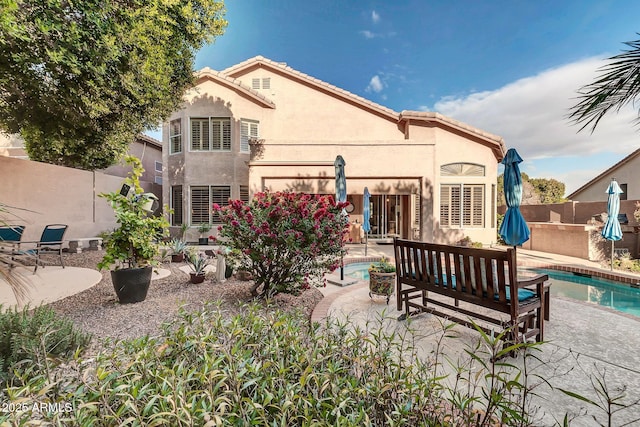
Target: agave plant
{"x": 197, "y": 262}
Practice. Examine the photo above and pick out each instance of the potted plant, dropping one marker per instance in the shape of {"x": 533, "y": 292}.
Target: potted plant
{"x": 130, "y": 249}
{"x": 203, "y": 229}
{"x": 178, "y": 249}
{"x": 382, "y": 278}
{"x": 197, "y": 263}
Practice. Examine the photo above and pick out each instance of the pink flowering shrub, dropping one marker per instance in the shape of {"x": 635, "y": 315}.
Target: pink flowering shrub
{"x": 285, "y": 240}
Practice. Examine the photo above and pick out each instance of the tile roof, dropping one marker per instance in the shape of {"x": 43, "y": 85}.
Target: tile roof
{"x": 283, "y": 67}
{"x": 221, "y": 77}
{"x": 259, "y": 61}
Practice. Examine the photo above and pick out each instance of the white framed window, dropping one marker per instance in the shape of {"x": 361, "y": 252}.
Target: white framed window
{"x": 248, "y": 130}
{"x": 202, "y": 199}
{"x": 175, "y": 136}
{"x": 158, "y": 166}
{"x": 210, "y": 134}
{"x": 157, "y": 179}
{"x": 462, "y": 205}
{"x": 176, "y": 204}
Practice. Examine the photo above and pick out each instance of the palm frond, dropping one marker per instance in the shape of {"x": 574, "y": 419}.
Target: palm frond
{"x": 617, "y": 86}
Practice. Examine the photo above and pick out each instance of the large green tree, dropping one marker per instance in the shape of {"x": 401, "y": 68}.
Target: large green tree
{"x": 617, "y": 86}
{"x": 79, "y": 80}
{"x": 535, "y": 190}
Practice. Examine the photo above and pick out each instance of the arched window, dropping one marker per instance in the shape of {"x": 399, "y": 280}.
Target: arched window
{"x": 462, "y": 205}
{"x": 462, "y": 169}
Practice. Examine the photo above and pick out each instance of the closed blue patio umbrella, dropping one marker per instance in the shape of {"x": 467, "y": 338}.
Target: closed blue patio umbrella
{"x": 341, "y": 193}
{"x": 514, "y": 230}
{"x": 366, "y": 217}
{"x": 612, "y": 230}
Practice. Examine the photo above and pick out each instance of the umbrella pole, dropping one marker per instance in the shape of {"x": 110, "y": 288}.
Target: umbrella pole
{"x": 366, "y": 242}
{"x": 612, "y": 255}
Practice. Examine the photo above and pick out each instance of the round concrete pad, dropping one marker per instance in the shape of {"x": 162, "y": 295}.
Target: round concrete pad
{"x": 49, "y": 284}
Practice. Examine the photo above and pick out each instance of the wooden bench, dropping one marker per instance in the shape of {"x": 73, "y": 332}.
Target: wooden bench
{"x": 479, "y": 277}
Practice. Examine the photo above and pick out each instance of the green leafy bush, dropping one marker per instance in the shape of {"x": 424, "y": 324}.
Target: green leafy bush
{"x": 267, "y": 367}
{"x": 134, "y": 243}
{"x": 33, "y": 336}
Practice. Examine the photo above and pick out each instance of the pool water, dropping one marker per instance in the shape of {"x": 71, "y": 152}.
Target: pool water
{"x": 594, "y": 290}
{"x": 357, "y": 270}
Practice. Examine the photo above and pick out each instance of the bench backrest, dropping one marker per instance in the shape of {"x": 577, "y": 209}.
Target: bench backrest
{"x": 465, "y": 273}
{"x": 12, "y": 233}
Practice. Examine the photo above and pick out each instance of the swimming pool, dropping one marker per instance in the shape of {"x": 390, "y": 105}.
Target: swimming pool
{"x": 593, "y": 290}
{"x": 357, "y": 270}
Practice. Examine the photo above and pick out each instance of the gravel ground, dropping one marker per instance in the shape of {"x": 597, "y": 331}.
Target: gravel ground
{"x": 96, "y": 310}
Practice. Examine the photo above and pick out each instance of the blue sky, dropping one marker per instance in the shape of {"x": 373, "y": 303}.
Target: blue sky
{"x": 507, "y": 67}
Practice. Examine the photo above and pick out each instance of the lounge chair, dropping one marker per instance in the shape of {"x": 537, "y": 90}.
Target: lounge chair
{"x": 50, "y": 241}
{"x": 11, "y": 233}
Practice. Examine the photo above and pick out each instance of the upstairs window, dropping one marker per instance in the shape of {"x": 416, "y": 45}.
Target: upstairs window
{"x": 248, "y": 131}
{"x": 211, "y": 134}
{"x": 175, "y": 136}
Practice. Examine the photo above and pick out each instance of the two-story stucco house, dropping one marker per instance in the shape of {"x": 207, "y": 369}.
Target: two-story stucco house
{"x": 262, "y": 125}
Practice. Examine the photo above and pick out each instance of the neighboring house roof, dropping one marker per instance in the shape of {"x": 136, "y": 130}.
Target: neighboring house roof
{"x": 229, "y": 76}
{"x": 220, "y": 78}
{"x": 149, "y": 140}
{"x": 609, "y": 171}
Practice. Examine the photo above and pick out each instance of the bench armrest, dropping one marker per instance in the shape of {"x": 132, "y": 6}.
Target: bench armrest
{"x": 533, "y": 281}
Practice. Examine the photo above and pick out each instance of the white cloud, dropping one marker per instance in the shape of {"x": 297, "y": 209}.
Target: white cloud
{"x": 375, "y": 84}
{"x": 375, "y": 17}
{"x": 530, "y": 114}
{"x": 367, "y": 34}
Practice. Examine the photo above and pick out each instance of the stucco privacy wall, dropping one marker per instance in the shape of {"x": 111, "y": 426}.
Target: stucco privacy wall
{"x": 54, "y": 194}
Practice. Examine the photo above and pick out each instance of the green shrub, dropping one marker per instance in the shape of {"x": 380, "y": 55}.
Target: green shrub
{"x": 266, "y": 367}
{"x": 30, "y": 337}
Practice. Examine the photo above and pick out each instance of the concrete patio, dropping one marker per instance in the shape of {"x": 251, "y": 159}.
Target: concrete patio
{"x": 580, "y": 338}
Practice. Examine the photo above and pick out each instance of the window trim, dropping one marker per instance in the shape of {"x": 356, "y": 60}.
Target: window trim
{"x": 466, "y": 211}
{"x": 177, "y": 136}
{"x": 225, "y": 125}
{"x": 173, "y": 199}
{"x": 210, "y": 199}
{"x": 250, "y": 123}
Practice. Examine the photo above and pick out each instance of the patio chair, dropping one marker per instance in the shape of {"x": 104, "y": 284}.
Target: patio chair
{"x": 11, "y": 233}
{"x": 50, "y": 241}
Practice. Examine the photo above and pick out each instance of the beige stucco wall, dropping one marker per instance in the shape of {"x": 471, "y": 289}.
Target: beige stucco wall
{"x": 301, "y": 137}
{"x": 48, "y": 194}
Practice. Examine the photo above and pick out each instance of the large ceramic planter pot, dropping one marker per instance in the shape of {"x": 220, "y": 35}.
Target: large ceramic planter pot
{"x": 177, "y": 257}
{"x": 381, "y": 284}
{"x": 196, "y": 278}
{"x": 203, "y": 241}
{"x": 131, "y": 284}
